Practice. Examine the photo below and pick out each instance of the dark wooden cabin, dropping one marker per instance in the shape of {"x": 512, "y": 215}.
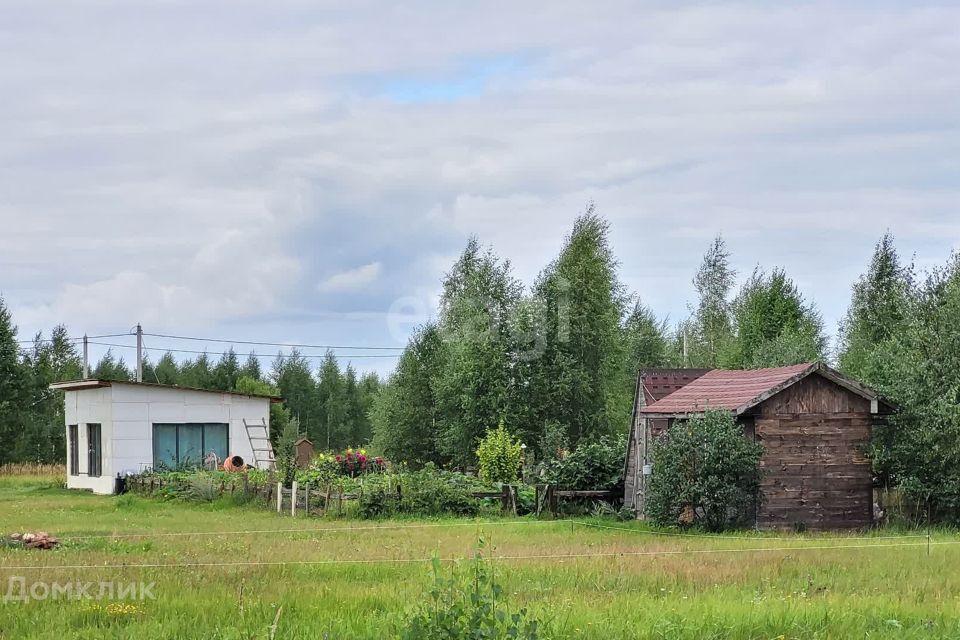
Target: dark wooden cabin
{"x": 814, "y": 424}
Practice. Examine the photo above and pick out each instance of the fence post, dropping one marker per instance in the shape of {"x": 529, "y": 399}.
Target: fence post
{"x": 279, "y": 496}
{"x": 293, "y": 498}
{"x": 505, "y": 498}
{"x": 306, "y": 500}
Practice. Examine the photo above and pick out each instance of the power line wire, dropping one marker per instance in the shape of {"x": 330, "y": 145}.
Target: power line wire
{"x": 272, "y": 344}
{"x": 256, "y": 355}
{"x": 76, "y": 339}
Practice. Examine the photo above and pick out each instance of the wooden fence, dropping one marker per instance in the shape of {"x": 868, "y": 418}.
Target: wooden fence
{"x": 314, "y": 500}
{"x": 311, "y": 499}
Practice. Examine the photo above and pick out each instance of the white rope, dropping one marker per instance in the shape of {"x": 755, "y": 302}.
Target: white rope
{"x": 556, "y": 556}
{"x": 308, "y": 530}
{"x": 708, "y": 536}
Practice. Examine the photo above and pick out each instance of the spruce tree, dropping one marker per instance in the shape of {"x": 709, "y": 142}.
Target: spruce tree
{"x": 14, "y": 391}
{"x": 404, "y": 414}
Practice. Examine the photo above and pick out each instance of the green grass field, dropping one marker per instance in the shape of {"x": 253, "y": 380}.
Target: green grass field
{"x": 582, "y": 581}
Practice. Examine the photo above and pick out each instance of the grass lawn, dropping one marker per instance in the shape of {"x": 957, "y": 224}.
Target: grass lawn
{"x": 625, "y": 582}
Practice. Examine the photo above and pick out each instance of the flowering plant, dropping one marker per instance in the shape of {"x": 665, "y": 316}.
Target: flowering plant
{"x": 353, "y": 462}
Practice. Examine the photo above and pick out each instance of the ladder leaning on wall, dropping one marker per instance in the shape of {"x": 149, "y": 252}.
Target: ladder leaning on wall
{"x": 259, "y": 435}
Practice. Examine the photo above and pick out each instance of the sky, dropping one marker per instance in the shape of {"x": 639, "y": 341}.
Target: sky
{"x": 306, "y": 172}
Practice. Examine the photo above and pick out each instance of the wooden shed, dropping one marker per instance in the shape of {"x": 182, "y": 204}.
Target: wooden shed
{"x": 304, "y": 452}
{"x": 814, "y": 424}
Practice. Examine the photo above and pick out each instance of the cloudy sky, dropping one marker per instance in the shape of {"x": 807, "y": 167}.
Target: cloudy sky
{"x": 306, "y": 171}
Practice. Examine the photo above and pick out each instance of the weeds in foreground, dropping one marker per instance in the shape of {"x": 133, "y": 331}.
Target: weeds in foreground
{"x": 469, "y": 604}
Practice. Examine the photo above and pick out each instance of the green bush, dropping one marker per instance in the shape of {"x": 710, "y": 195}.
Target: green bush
{"x": 705, "y": 473}
{"x": 594, "y": 466}
{"x": 500, "y": 456}
{"x": 468, "y": 604}
{"x": 426, "y": 492}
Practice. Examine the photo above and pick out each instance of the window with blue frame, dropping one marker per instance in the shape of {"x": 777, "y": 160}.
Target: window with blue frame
{"x": 188, "y": 444}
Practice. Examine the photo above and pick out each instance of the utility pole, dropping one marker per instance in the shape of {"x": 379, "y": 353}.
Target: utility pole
{"x": 139, "y": 353}
{"x": 86, "y": 358}
{"x": 686, "y": 362}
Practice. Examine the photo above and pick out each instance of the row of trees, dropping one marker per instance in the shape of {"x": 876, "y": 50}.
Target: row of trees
{"x": 557, "y": 363}
{"x": 331, "y": 405}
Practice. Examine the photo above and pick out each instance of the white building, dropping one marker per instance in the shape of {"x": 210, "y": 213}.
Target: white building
{"x": 128, "y": 427}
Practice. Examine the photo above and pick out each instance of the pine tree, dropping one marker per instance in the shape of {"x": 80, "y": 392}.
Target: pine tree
{"x": 251, "y": 368}
{"x": 333, "y": 432}
{"x": 166, "y": 371}
{"x": 110, "y": 368}
{"x": 291, "y": 375}
{"x": 197, "y": 373}
{"x": 53, "y": 360}
{"x": 227, "y": 371}
{"x": 648, "y": 343}
{"x": 404, "y": 414}
{"x": 14, "y": 391}
{"x": 355, "y": 422}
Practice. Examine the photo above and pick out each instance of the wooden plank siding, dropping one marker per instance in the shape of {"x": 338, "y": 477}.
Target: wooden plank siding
{"x": 815, "y": 471}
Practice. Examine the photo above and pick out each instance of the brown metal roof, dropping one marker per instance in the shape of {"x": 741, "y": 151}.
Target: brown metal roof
{"x": 740, "y": 390}
{"x": 659, "y": 383}
{"x": 94, "y": 383}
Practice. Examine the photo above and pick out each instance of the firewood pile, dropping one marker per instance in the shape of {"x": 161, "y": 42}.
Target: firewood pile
{"x": 38, "y": 540}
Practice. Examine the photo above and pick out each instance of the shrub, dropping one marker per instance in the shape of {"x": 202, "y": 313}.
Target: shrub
{"x": 500, "y": 456}
{"x": 430, "y": 492}
{"x": 594, "y": 466}
{"x": 705, "y": 472}
{"x": 286, "y": 452}
{"x": 200, "y": 487}
{"x": 468, "y": 604}
{"x": 426, "y": 492}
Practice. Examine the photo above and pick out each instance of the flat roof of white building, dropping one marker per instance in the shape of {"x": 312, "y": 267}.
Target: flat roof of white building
{"x": 95, "y": 383}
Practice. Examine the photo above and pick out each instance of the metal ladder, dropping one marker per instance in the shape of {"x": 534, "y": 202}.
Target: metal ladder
{"x": 260, "y": 444}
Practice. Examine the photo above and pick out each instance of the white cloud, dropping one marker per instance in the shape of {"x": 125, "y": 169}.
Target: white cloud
{"x": 233, "y": 171}
{"x": 352, "y": 280}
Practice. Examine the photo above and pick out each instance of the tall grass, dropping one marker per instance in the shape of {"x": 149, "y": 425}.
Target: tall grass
{"x": 709, "y": 587}
{"x": 32, "y": 469}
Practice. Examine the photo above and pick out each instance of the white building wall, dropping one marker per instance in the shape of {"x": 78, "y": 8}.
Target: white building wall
{"x": 90, "y": 406}
{"x": 127, "y": 413}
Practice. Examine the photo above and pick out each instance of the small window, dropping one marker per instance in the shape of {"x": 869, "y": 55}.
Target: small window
{"x": 72, "y": 436}
{"x": 94, "y": 451}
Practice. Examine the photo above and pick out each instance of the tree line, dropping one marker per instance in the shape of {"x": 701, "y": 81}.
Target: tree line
{"x": 332, "y": 406}
{"x": 556, "y": 361}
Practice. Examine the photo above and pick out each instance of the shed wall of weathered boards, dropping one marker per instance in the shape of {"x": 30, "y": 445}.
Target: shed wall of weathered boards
{"x": 815, "y": 470}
